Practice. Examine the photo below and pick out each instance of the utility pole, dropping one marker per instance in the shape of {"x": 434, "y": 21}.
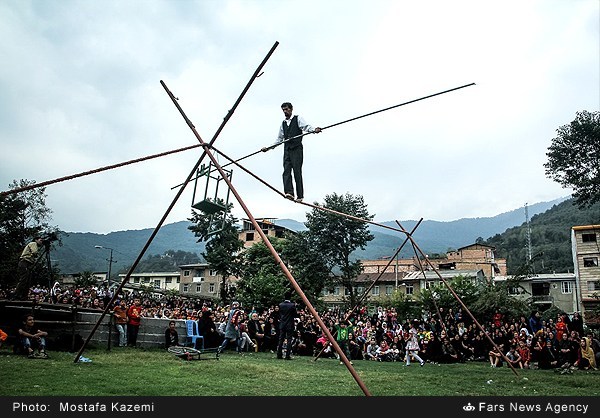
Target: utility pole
{"x": 110, "y": 261}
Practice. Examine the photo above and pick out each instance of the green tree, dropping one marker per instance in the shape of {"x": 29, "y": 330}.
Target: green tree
{"x": 23, "y": 215}
{"x": 405, "y": 305}
{"x": 263, "y": 282}
{"x": 308, "y": 265}
{"x": 223, "y": 246}
{"x": 438, "y": 294}
{"x": 169, "y": 261}
{"x": 86, "y": 279}
{"x": 337, "y": 236}
{"x": 574, "y": 157}
{"x": 492, "y": 296}
{"x": 550, "y": 237}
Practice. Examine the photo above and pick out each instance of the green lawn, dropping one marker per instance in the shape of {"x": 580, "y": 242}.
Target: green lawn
{"x": 139, "y": 372}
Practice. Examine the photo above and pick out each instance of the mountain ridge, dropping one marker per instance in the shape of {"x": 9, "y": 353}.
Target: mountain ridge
{"x": 78, "y": 252}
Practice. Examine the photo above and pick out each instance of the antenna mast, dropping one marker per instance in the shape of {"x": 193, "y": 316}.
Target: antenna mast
{"x": 528, "y": 232}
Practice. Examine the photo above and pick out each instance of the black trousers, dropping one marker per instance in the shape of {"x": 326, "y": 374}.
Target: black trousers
{"x": 24, "y": 271}
{"x": 292, "y": 163}
{"x": 285, "y": 334}
{"x": 132, "y": 334}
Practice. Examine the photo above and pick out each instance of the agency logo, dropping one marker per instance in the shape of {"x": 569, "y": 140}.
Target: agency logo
{"x": 468, "y": 407}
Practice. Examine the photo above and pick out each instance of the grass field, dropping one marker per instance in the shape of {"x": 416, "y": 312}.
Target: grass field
{"x": 154, "y": 372}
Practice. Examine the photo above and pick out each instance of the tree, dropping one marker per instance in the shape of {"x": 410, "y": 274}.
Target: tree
{"x": 337, "y": 236}
{"x": 495, "y": 296}
{"x": 574, "y": 158}
{"x": 439, "y": 294}
{"x": 169, "y": 261}
{"x": 223, "y": 245}
{"x": 263, "y": 283}
{"x": 23, "y": 215}
{"x": 86, "y": 279}
{"x": 308, "y": 265}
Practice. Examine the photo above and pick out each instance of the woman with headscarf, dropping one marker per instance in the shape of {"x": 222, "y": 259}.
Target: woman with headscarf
{"x": 208, "y": 329}
{"x": 585, "y": 358}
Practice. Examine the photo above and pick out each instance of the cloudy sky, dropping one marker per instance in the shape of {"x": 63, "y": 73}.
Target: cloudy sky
{"x": 80, "y": 89}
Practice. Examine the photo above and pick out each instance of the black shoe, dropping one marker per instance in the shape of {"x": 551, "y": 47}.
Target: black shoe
{"x": 288, "y": 358}
{"x": 279, "y": 357}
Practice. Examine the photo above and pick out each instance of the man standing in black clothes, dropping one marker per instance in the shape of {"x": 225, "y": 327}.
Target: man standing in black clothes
{"x": 287, "y": 312}
{"x": 290, "y": 128}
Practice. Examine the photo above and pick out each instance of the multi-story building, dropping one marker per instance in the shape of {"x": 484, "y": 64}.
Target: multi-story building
{"x": 164, "y": 281}
{"x": 249, "y": 235}
{"x": 546, "y": 290}
{"x": 585, "y": 244}
{"x": 475, "y": 256}
{"x": 199, "y": 280}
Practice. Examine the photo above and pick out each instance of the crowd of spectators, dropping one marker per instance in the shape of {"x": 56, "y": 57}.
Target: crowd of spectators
{"x": 445, "y": 336}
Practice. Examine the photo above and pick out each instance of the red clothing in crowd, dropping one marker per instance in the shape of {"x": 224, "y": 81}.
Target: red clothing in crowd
{"x": 134, "y": 314}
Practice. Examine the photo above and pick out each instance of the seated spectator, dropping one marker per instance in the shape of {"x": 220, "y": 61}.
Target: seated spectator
{"x": 595, "y": 344}
{"x": 271, "y": 339}
{"x": 32, "y": 338}
{"x": 525, "y": 354}
{"x": 567, "y": 351}
{"x": 514, "y": 357}
{"x": 585, "y": 359}
{"x": 372, "y": 347}
{"x": 466, "y": 347}
{"x": 449, "y": 354}
{"x": 299, "y": 346}
{"x": 356, "y": 351}
{"x": 255, "y": 331}
{"x": 547, "y": 358}
{"x": 323, "y": 347}
{"x": 395, "y": 353}
{"x": 495, "y": 356}
{"x": 245, "y": 340}
{"x": 384, "y": 351}
{"x": 208, "y": 329}
{"x": 171, "y": 335}
{"x": 456, "y": 342}
{"x": 434, "y": 349}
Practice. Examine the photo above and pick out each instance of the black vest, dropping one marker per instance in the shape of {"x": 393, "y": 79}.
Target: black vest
{"x": 291, "y": 131}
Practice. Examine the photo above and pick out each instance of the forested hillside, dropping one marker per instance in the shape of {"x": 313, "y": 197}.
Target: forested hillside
{"x": 77, "y": 251}
{"x": 550, "y": 239}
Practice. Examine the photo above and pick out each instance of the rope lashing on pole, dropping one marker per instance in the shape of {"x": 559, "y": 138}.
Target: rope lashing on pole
{"x": 264, "y": 149}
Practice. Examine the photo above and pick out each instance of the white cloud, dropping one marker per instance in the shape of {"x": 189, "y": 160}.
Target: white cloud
{"x": 80, "y": 89}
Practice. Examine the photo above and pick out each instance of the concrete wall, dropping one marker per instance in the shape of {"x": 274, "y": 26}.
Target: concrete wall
{"x": 151, "y": 334}
{"x": 68, "y": 327}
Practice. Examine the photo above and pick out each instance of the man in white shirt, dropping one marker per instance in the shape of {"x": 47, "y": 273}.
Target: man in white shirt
{"x": 291, "y": 131}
